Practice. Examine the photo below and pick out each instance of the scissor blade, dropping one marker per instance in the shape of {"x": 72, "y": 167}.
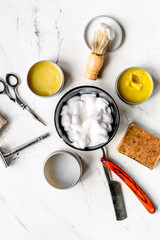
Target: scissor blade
{"x": 34, "y": 115}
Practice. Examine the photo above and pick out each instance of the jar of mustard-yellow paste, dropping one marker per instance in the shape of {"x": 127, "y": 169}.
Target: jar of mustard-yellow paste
{"x": 45, "y": 78}
{"x": 134, "y": 85}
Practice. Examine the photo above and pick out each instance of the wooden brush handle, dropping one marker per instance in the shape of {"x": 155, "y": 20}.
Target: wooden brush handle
{"x": 94, "y": 64}
{"x": 143, "y": 198}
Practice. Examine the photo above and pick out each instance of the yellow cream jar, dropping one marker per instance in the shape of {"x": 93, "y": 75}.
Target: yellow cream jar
{"x": 45, "y": 78}
{"x": 134, "y": 85}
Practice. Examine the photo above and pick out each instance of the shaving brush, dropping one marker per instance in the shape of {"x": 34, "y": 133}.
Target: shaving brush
{"x": 100, "y": 43}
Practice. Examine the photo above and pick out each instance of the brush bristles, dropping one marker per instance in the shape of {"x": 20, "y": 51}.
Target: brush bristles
{"x": 100, "y": 42}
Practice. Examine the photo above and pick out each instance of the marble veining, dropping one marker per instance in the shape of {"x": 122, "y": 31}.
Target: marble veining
{"x": 59, "y": 32}
{"x": 36, "y": 28}
{"x": 33, "y": 30}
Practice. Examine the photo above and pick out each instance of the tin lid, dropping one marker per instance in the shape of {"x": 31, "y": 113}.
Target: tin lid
{"x": 62, "y": 169}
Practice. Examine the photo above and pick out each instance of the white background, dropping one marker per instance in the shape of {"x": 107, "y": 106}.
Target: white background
{"x": 33, "y": 30}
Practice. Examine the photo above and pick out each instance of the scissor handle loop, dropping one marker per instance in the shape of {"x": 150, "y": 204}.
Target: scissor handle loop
{"x": 2, "y": 83}
{"x": 8, "y": 80}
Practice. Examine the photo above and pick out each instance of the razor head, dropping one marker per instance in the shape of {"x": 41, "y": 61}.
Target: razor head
{"x": 3, "y": 159}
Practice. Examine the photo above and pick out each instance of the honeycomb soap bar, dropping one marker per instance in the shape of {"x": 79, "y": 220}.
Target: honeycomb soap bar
{"x": 141, "y": 146}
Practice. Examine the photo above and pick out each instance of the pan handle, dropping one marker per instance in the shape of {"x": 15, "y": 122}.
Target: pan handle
{"x": 143, "y": 198}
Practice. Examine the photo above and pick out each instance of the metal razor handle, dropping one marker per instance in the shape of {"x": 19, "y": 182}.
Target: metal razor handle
{"x": 25, "y": 145}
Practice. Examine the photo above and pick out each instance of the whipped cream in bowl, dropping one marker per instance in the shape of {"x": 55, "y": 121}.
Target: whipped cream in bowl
{"x": 86, "y": 118}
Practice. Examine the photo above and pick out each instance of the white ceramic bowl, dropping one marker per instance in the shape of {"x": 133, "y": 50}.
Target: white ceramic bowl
{"x": 112, "y": 23}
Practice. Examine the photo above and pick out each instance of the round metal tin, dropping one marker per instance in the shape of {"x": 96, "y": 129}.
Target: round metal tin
{"x": 119, "y": 95}
{"x": 62, "y": 84}
{"x": 63, "y": 169}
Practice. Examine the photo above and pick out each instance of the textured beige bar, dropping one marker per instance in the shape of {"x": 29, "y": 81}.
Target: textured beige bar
{"x": 3, "y": 121}
{"x": 140, "y": 145}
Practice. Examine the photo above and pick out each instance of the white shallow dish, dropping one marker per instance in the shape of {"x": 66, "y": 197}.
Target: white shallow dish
{"x": 95, "y": 22}
{"x": 62, "y": 169}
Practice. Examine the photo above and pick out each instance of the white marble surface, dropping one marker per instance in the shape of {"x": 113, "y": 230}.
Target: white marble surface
{"x": 33, "y": 30}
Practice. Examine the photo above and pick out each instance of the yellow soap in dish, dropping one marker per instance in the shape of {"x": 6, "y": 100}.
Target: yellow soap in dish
{"x": 45, "y": 78}
{"x": 134, "y": 85}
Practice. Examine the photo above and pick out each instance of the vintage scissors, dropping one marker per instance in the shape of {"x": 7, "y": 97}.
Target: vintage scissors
{"x": 4, "y": 90}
